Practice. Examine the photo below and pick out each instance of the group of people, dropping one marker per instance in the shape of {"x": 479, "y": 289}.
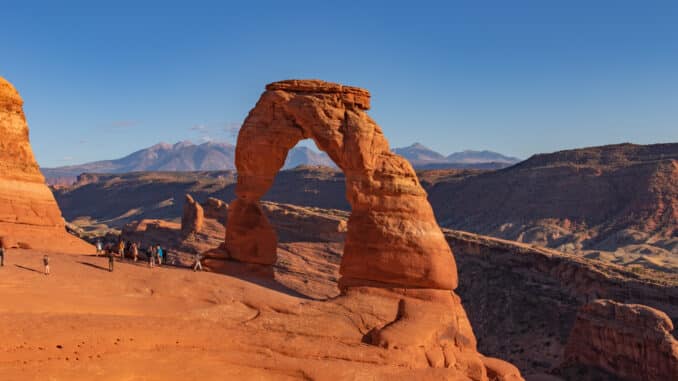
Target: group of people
{"x": 154, "y": 253}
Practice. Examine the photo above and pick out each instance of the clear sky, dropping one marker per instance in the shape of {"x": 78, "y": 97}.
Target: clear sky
{"x": 518, "y": 77}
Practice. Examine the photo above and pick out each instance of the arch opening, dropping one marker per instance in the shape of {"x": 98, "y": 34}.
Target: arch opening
{"x": 392, "y": 239}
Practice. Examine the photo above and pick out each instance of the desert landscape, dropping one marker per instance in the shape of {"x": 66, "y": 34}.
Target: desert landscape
{"x": 537, "y": 239}
{"x": 282, "y": 275}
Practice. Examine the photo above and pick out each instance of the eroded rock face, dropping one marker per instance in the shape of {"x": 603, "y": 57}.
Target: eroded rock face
{"x": 29, "y": 215}
{"x": 216, "y": 209}
{"x": 392, "y": 238}
{"x": 632, "y": 341}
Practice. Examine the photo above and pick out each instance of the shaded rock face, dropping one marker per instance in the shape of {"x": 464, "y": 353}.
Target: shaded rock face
{"x": 621, "y": 196}
{"x": 522, "y": 300}
{"x": 193, "y": 218}
{"x": 216, "y": 209}
{"x": 392, "y": 236}
{"x": 632, "y": 341}
{"x": 29, "y": 214}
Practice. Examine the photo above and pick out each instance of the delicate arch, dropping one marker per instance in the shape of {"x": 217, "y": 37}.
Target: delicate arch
{"x": 392, "y": 240}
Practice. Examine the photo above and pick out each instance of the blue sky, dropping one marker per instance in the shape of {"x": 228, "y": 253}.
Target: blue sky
{"x": 517, "y": 77}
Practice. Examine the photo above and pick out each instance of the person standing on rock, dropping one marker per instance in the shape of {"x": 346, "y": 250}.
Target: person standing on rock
{"x": 111, "y": 261}
{"x": 45, "y": 262}
{"x": 2, "y": 253}
{"x": 135, "y": 251}
{"x": 160, "y": 255}
{"x": 121, "y": 249}
{"x": 151, "y": 256}
{"x": 197, "y": 264}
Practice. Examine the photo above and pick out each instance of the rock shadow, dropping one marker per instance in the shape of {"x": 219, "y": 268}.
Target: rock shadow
{"x": 261, "y": 275}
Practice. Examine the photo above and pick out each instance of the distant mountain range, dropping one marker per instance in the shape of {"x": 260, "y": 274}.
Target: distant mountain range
{"x": 423, "y": 157}
{"x": 215, "y": 156}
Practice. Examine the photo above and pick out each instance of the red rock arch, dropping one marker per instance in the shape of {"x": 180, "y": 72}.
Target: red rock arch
{"x": 393, "y": 239}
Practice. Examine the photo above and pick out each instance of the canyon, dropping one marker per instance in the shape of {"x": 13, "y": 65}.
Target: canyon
{"x": 613, "y": 203}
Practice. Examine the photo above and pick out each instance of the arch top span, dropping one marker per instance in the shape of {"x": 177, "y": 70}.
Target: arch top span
{"x": 392, "y": 239}
{"x": 349, "y": 94}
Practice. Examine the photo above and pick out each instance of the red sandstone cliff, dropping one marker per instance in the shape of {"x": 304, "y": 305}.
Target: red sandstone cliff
{"x": 29, "y": 214}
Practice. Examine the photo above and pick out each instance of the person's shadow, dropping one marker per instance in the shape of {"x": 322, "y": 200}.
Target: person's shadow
{"x": 93, "y": 265}
{"x": 28, "y": 269}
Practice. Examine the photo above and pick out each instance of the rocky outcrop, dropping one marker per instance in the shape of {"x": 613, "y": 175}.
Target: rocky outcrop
{"x": 193, "y": 218}
{"x": 292, "y": 223}
{"x": 392, "y": 237}
{"x": 29, "y": 215}
{"x": 632, "y": 341}
{"x": 522, "y": 300}
{"x": 297, "y": 223}
{"x": 215, "y": 209}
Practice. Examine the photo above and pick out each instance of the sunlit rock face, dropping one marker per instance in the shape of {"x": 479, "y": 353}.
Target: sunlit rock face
{"x": 392, "y": 236}
{"x": 29, "y": 215}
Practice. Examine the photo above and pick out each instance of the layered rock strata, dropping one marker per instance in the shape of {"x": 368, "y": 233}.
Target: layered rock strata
{"x": 29, "y": 214}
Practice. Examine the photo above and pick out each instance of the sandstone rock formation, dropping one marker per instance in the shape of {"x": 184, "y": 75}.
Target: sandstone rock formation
{"x": 216, "y": 209}
{"x": 392, "y": 239}
{"x": 393, "y": 246}
{"x": 632, "y": 341}
{"x": 29, "y": 215}
{"x": 193, "y": 217}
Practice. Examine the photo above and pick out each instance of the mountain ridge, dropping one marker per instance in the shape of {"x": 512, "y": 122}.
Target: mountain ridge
{"x": 422, "y": 157}
{"x": 219, "y": 156}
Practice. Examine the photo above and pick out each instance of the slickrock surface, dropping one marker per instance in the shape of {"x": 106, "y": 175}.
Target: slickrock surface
{"x": 166, "y": 323}
{"x": 632, "y": 341}
{"x": 29, "y": 214}
{"x": 392, "y": 239}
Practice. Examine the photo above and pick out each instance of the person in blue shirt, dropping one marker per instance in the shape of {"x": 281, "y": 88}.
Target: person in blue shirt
{"x": 160, "y": 255}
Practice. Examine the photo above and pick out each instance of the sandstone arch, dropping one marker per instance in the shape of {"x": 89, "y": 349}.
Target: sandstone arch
{"x": 393, "y": 239}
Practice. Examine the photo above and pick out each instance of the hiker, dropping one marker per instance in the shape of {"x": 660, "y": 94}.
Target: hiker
{"x": 45, "y": 261}
{"x": 197, "y": 264}
{"x": 111, "y": 261}
{"x": 135, "y": 251}
{"x": 151, "y": 255}
{"x": 99, "y": 247}
{"x": 121, "y": 249}
{"x": 2, "y": 253}
{"x": 160, "y": 254}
